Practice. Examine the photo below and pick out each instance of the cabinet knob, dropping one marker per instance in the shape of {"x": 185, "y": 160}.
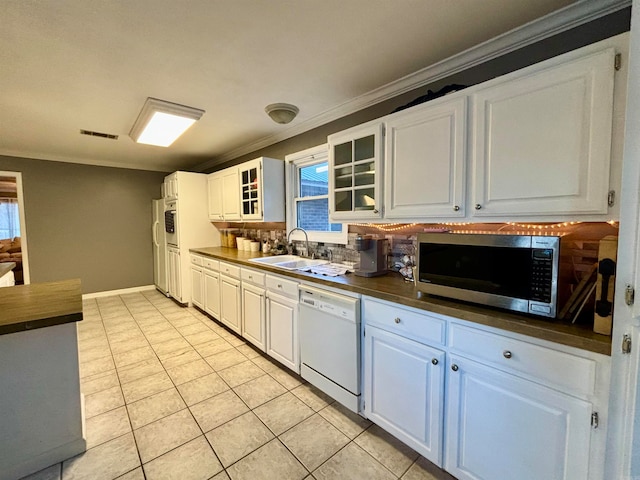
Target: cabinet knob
{"x": 279, "y": 285}
{"x": 507, "y": 354}
{"x": 434, "y": 361}
{"x": 478, "y": 206}
{"x": 250, "y": 277}
{"x": 397, "y": 320}
{"x": 454, "y": 367}
{"x": 456, "y": 208}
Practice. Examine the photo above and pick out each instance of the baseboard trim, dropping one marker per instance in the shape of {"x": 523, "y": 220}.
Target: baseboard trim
{"x": 122, "y": 291}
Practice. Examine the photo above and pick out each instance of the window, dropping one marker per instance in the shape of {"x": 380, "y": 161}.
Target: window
{"x": 308, "y": 197}
{"x": 9, "y": 218}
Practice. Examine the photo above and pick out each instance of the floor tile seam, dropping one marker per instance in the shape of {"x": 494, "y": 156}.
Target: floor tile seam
{"x": 105, "y": 411}
{"x": 151, "y": 395}
{"x": 110, "y": 439}
{"x": 371, "y": 455}
{"x": 275, "y": 437}
{"x": 203, "y": 434}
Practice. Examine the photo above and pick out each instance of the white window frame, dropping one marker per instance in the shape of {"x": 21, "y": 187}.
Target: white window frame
{"x": 294, "y": 161}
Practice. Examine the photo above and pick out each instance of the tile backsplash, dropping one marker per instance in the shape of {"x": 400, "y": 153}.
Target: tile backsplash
{"x": 401, "y": 238}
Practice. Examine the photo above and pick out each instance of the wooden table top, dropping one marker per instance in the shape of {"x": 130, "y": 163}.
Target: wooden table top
{"x": 393, "y": 288}
{"x": 38, "y": 305}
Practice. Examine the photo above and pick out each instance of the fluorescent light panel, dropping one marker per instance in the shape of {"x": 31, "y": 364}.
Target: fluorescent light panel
{"x": 161, "y": 123}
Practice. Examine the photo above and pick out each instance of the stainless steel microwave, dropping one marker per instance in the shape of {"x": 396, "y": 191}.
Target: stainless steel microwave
{"x": 515, "y": 272}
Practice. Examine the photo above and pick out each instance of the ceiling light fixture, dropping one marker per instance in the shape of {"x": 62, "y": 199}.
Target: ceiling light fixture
{"x": 281, "y": 112}
{"x": 160, "y": 122}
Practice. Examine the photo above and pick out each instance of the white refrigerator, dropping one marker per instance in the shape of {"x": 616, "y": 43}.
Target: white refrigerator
{"x": 159, "y": 247}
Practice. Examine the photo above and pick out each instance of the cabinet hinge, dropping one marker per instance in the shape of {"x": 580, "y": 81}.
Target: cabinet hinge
{"x": 611, "y": 198}
{"x": 629, "y": 295}
{"x": 594, "y": 419}
{"x": 364, "y": 334}
{"x": 617, "y": 61}
{"x": 626, "y": 343}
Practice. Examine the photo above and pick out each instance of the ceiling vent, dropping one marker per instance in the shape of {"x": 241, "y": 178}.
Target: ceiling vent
{"x": 110, "y": 136}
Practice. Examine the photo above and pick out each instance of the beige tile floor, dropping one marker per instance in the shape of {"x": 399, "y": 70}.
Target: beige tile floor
{"x": 171, "y": 394}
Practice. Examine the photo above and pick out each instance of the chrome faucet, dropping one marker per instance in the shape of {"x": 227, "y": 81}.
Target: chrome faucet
{"x": 306, "y": 239}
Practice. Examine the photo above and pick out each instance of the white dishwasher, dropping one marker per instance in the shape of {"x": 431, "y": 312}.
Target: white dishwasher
{"x": 330, "y": 344}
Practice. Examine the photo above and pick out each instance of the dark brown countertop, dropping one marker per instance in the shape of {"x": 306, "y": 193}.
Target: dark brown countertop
{"x": 393, "y": 288}
{"x": 27, "y": 307}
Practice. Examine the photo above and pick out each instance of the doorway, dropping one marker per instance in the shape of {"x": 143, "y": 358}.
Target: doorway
{"x": 13, "y": 230}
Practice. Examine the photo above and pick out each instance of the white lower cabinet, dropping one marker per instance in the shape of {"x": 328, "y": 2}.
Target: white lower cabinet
{"x": 502, "y": 426}
{"x": 254, "y": 308}
{"x": 483, "y": 403}
{"x": 197, "y": 281}
{"x": 212, "y": 293}
{"x": 175, "y": 277}
{"x": 282, "y": 321}
{"x": 230, "y": 302}
{"x": 404, "y": 390}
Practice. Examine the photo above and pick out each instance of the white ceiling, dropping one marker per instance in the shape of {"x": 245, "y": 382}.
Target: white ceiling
{"x": 90, "y": 64}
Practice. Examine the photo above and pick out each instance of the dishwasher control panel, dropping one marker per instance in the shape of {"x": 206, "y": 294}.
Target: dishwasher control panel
{"x": 329, "y": 303}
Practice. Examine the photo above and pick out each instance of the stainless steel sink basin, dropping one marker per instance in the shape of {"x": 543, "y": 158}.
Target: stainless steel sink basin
{"x": 275, "y": 259}
{"x": 288, "y": 262}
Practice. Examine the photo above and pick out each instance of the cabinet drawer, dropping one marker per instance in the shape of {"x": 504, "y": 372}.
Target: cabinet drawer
{"x": 252, "y": 276}
{"x": 282, "y": 286}
{"x": 548, "y": 366}
{"x": 196, "y": 260}
{"x": 407, "y": 322}
{"x": 230, "y": 270}
{"x": 211, "y": 264}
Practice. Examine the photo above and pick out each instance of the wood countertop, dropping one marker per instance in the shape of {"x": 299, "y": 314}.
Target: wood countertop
{"x": 26, "y": 307}
{"x": 393, "y": 288}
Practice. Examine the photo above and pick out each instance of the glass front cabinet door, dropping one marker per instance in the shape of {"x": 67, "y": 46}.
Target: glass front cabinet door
{"x": 355, "y": 162}
{"x": 250, "y": 186}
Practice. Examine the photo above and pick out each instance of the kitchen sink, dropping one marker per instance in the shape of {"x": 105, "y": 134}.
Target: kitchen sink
{"x": 288, "y": 262}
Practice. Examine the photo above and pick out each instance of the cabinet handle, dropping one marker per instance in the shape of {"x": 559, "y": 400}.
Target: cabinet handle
{"x": 507, "y": 354}
{"x": 454, "y": 367}
{"x": 478, "y": 206}
{"x": 397, "y": 320}
{"x": 250, "y": 277}
{"x": 456, "y": 208}
{"x": 434, "y": 361}
{"x": 279, "y": 285}
{"x": 375, "y": 210}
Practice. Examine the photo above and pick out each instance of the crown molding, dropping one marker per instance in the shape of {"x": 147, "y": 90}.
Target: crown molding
{"x": 572, "y": 16}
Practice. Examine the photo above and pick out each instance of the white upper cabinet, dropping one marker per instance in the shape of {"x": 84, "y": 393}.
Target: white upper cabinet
{"x": 252, "y": 191}
{"x": 230, "y": 194}
{"x": 214, "y": 188}
{"x": 424, "y": 160}
{"x": 355, "y": 177}
{"x": 262, "y": 190}
{"x": 542, "y": 139}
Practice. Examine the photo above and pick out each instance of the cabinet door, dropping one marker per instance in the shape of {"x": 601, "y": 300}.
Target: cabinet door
{"x": 212, "y": 293}
{"x": 404, "y": 390}
{"x": 424, "y": 161}
{"x": 501, "y": 426}
{"x": 197, "y": 287}
{"x": 231, "y": 194}
{"x": 282, "y": 330}
{"x": 355, "y": 162}
{"x": 214, "y": 190}
{"x": 230, "y": 303}
{"x": 175, "y": 276}
{"x": 250, "y": 174}
{"x": 542, "y": 140}
{"x": 253, "y": 315}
